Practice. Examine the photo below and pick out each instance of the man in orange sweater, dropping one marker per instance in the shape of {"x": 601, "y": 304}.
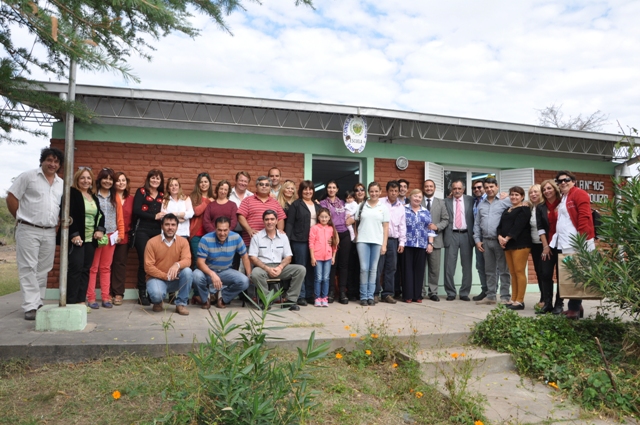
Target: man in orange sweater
{"x": 167, "y": 261}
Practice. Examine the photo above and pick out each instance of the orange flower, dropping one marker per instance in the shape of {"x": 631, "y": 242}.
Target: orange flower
{"x": 419, "y": 394}
{"x": 374, "y": 336}
{"x": 461, "y": 354}
{"x": 454, "y": 355}
{"x": 554, "y": 385}
{"x": 338, "y": 356}
{"x": 367, "y": 352}
{"x": 399, "y": 330}
{"x": 353, "y": 335}
{"x": 411, "y": 390}
{"x": 395, "y": 365}
{"x": 116, "y": 395}
{"x": 478, "y": 423}
{"x": 347, "y": 327}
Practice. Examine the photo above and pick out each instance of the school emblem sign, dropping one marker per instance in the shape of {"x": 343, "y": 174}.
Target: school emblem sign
{"x": 354, "y": 133}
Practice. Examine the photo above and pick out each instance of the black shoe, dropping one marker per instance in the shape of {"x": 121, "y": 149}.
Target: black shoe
{"x": 331, "y": 297}
{"x": 463, "y": 298}
{"x": 143, "y": 299}
{"x": 557, "y": 309}
{"x": 353, "y": 298}
{"x": 517, "y": 306}
{"x": 294, "y": 308}
{"x": 30, "y": 315}
{"x": 371, "y": 302}
{"x": 481, "y": 296}
{"x": 343, "y": 298}
{"x": 547, "y": 308}
{"x": 302, "y": 302}
{"x": 451, "y": 298}
{"x": 363, "y": 303}
{"x": 434, "y": 298}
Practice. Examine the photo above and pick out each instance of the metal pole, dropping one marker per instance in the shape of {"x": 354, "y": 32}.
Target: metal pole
{"x": 69, "y": 148}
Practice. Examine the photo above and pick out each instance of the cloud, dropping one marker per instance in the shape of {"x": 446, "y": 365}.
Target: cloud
{"x": 491, "y": 60}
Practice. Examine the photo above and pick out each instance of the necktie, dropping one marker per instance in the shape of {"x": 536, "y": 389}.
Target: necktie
{"x": 458, "y": 215}
{"x": 429, "y": 204}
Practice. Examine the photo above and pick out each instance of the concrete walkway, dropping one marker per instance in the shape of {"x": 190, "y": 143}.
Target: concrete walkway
{"x": 134, "y": 329}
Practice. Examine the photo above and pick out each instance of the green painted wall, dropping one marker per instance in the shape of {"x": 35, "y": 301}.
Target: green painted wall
{"x": 328, "y": 147}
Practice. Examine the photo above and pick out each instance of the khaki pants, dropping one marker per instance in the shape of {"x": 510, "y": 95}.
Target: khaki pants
{"x": 517, "y": 262}
{"x": 35, "y": 251}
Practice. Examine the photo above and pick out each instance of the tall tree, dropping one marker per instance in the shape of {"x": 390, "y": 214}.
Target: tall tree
{"x": 552, "y": 116}
{"x": 98, "y": 34}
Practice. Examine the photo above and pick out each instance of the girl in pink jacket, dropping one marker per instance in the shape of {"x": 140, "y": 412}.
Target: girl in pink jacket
{"x": 323, "y": 244}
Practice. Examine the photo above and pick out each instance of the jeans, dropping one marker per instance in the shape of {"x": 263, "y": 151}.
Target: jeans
{"x": 301, "y": 257}
{"x": 233, "y": 283}
{"x": 321, "y": 284}
{"x": 387, "y": 266}
{"x": 481, "y": 271}
{"x": 158, "y": 288}
{"x": 369, "y": 254}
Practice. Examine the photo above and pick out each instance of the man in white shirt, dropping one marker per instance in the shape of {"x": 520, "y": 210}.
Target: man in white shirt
{"x": 458, "y": 237}
{"x": 34, "y": 200}
{"x": 395, "y": 243}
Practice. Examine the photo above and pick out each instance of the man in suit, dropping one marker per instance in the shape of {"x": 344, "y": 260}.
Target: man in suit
{"x": 439, "y": 222}
{"x": 458, "y": 236}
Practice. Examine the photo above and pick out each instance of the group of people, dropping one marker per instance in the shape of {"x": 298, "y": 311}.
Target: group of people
{"x": 222, "y": 241}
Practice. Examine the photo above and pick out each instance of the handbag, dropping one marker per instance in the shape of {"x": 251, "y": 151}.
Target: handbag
{"x": 569, "y": 289}
{"x": 103, "y": 241}
{"x": 132, "y": 234}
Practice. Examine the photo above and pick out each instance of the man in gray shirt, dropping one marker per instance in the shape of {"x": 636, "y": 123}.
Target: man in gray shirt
{"x": 485, "y": 235}
{"x": 270, "y": 254}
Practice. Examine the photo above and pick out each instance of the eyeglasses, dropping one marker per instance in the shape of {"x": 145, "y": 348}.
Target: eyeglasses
{"x": 84, "y": 168}
{"x": 477, "y": 188}
{"x": 264, "y": 184}
{"x": 565, "y": 180}
{"x": 360, "y": 189}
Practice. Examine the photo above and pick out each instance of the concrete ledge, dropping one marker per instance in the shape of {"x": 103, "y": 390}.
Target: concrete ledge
{"x": 54, "y": 318}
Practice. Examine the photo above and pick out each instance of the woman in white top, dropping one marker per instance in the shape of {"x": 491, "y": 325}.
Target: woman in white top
{"x": 371, "y": 242}
{"x": 179, "y": 204}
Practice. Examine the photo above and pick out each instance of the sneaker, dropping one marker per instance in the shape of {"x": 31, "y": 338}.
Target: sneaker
{"x": 94, "y": 305}
{"x": 318, "y": 302}
{"x": 325, "y": 302}
{"x": 486, "y": 301}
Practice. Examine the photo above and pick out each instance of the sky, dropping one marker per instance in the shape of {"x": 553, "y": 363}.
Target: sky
{"x": 493, "y": 60}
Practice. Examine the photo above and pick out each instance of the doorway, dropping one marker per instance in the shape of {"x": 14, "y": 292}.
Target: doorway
{"x": 344, "y": 171}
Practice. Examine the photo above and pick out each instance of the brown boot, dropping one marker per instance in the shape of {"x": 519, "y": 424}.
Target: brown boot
{"x": 157, "y": 307}
{"x": 206, "y": 306}
{"x": 220, "y": 303}
{"x": 182, "y": 310}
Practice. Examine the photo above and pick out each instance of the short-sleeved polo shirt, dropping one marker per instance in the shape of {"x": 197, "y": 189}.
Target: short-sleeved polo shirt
{"x": 219, "y": 255}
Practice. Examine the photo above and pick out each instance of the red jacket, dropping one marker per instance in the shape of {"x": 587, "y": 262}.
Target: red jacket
{"x": 579, "y": 209}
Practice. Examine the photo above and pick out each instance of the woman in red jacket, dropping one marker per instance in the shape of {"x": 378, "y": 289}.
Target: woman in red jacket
{"x": 574, "y": 217}
{"x": 121, "y": 252}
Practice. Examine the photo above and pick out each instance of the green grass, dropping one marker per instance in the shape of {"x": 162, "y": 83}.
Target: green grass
{"x": 81, "y": 393}
{"x": 9, "y": 282}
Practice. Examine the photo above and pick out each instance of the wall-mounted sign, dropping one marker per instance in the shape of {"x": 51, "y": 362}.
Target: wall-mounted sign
{"x": 593, "y": 186}
{"x": 354, "y": 133}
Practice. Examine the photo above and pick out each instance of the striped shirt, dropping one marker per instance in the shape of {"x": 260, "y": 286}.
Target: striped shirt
{"x": 39, "y": 201}
{"x": 219, "y": 256}
{"x": 252, "y": 208}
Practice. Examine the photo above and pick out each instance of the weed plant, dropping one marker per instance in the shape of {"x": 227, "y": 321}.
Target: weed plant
{"x": 243, "y": 381}
{"x": 565, "y": 355}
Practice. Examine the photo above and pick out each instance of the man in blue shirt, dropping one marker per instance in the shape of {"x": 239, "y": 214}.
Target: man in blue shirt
{"x": 215, "y": 256}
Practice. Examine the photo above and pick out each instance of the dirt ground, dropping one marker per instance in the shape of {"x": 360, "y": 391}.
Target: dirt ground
{"x": 7, "y": 254}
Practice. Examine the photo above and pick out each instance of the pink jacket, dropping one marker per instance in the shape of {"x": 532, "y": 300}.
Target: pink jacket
{"x": 319, "y": 237}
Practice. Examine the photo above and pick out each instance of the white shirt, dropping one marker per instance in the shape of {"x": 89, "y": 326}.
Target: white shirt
{"x": 181, "y": 206}
{"x": 39, "y": 201}
{"x": 565, "y": 230}
{"x": 233, "y": 196}
{"x": 455, "y": 206}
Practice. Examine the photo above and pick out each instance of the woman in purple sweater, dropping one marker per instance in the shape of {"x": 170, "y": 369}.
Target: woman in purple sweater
{"x": 220, "y": 207}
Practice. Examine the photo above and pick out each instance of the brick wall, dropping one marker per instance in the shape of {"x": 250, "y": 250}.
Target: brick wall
{"x": 385, "y": 170}
{"x": 185, "y": 163}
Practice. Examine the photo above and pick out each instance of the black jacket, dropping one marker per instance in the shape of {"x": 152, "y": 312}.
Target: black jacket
{"x": 516, "y": 224}
{"x": 77, "y": 216}
{"x": 299, "y": 221}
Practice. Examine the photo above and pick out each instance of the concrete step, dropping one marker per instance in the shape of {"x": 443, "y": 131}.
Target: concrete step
{"x": 439, "y": 362}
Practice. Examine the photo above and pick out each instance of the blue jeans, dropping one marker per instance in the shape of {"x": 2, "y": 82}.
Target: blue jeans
{"x": 369, "y": 254}
{"x": 321, "y": 284}
{"x": 301, "y": 256}
{"x": 233, "y": 282}
{"x": 158, "y": 288}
